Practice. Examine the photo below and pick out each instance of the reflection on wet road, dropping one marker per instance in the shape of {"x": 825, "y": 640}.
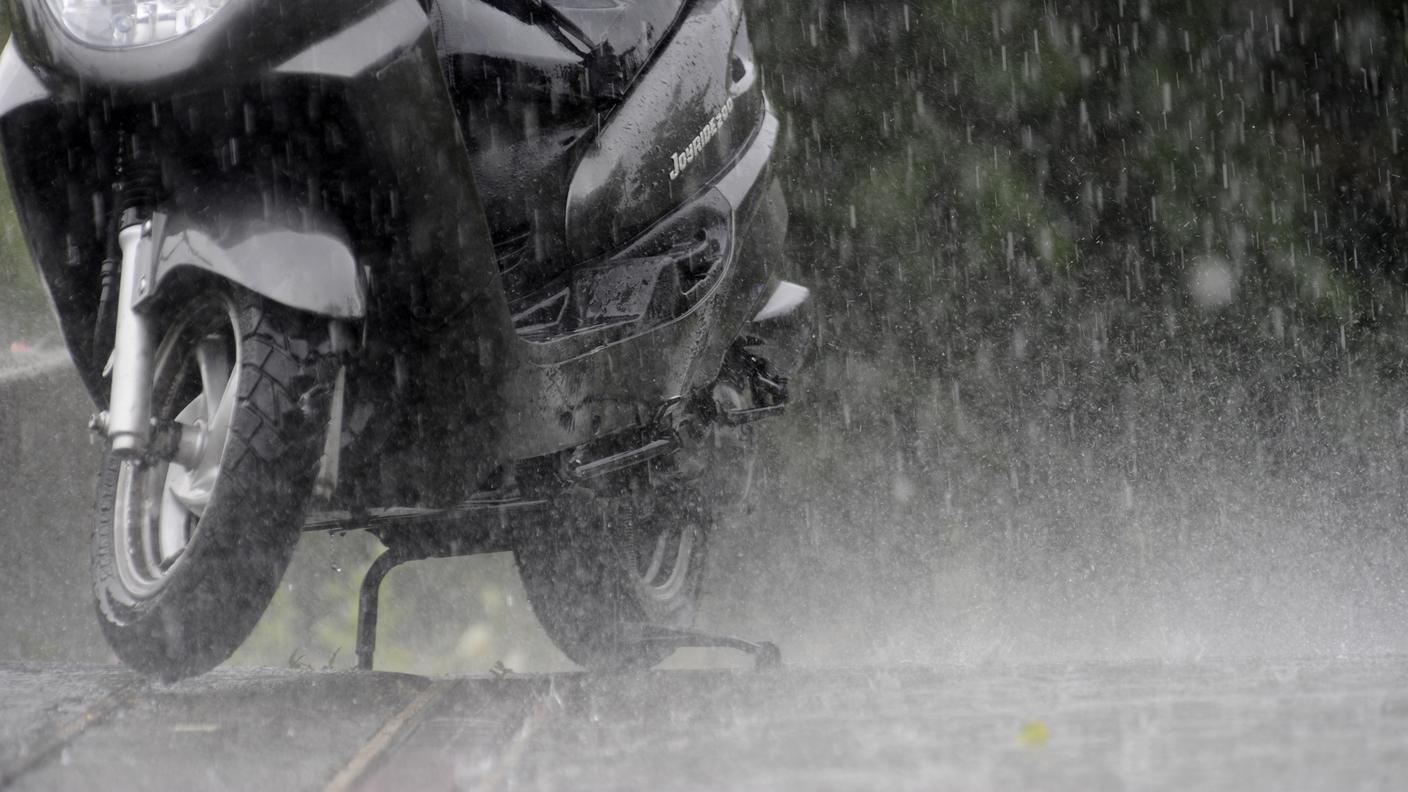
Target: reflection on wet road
{"x": 1293, "y": 724}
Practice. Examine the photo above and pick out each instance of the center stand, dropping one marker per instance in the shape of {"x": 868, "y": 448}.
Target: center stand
{"x": 472, "y": 528}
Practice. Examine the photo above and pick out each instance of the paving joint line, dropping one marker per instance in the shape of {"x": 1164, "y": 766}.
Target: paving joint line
{"x": 388, "y": 736}
{"x": 512, "y": 752}
{"x": 67, "y": 732}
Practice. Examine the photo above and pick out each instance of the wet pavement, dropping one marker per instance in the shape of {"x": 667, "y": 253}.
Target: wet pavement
{"x": 48, "y": 472}
{"x": 1292, "y": 724}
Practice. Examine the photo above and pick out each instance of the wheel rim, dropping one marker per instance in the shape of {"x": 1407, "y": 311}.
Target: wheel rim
{"x": 734, "y": 445}
{"x": 663, "y": 566}
{"x": 156, "y": 515}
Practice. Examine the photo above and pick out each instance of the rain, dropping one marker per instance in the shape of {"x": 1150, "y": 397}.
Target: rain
{"x": 1091, "y": 475}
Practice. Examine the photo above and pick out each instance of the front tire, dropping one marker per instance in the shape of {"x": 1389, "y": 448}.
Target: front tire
{"x": 186, "y": 559}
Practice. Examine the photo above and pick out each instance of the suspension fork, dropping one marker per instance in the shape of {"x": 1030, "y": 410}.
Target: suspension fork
{"x": 128, "y": 420}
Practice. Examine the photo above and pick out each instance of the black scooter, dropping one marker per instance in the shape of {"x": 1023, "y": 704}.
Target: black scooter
{"x": 474, "y": 275}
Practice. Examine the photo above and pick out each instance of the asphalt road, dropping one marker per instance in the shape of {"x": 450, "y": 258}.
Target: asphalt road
{"x": 1286, "y": 725}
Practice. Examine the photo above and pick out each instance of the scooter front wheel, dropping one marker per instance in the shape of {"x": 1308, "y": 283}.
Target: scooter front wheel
{"x": 188, "y": 553}
{"x": 603, "y": 569}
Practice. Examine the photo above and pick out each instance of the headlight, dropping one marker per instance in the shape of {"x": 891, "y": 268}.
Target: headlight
{"x": 132, "y": 23}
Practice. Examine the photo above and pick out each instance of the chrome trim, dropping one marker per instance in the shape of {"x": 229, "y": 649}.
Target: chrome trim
{"x": 134, "y": 347}
{"x": 740, "y": 178}
{"x": 785, "y": 299}
{"x": 19, "y": 85}
{"x": 362, "y": 45}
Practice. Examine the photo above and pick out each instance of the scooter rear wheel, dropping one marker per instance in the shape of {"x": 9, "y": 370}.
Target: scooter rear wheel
{"x": 187, "y": 557}
{"x": 605, "y": 568}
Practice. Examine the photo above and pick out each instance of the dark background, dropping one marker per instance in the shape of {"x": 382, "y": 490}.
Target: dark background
{"x": 1112, "y": 354}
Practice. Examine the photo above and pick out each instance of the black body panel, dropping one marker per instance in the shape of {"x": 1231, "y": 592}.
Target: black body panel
{"x": 670, "y": 137}
{"x": 584, "y": 386}
{"x": 530, "y": 106}
{"x": 571, "y": 164}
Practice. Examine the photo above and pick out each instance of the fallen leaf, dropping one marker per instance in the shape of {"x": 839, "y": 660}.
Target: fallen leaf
{"x": 1033, "y": 732}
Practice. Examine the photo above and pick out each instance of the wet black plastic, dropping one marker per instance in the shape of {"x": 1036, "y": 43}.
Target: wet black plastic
{"x": 670, "y": 137}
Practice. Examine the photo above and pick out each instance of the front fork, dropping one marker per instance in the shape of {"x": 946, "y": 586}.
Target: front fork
{"x": 128, "y": 420}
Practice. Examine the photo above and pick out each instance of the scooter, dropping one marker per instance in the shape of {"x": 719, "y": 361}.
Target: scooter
{"x": 472, "y": 275}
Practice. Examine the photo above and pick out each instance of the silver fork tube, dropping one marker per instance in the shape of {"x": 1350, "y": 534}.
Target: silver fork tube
{"x": 130, "y": 405}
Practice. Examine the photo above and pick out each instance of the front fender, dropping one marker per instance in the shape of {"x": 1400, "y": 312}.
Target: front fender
{"x": 311, "y": 269}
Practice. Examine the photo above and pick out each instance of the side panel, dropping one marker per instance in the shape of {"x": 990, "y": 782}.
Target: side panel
{"x": 558, "y": 402}
{"x": 362, "y": 45}
{"x": 682, "y": 123}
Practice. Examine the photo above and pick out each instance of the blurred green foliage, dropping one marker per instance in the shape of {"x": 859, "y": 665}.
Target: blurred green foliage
{"x": 21, "y": 298}
{"x": 1080, "y": 223}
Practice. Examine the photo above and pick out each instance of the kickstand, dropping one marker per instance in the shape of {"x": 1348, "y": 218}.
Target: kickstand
{"x": 765, "y": 653}
{"x": 367, "y": 603}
